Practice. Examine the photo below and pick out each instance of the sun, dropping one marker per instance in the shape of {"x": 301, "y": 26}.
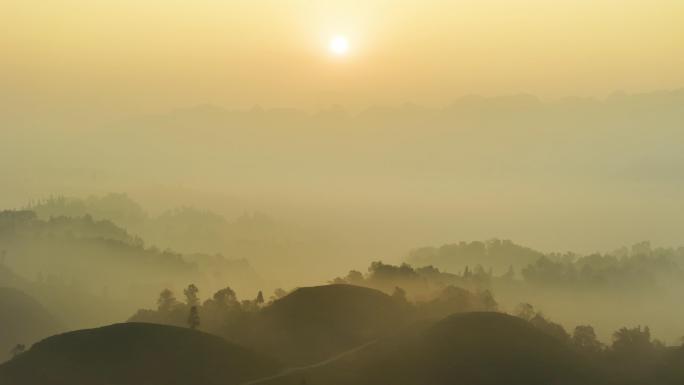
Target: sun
{"x": 339, "y": 45}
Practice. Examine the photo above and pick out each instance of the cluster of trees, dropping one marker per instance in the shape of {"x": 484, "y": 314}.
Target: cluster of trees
{"x": 584, "y": 339}
{"x": 222, "y": 313}
{"x": 115, "y": 207}
{"x": 422, "y": 283}
{"x": 638, "y": 268}
{"x": 453, "y": 299}
{"x": 498, "y": 255}
{"x": 428, "y": 290}
{"x": 631, "y": 356}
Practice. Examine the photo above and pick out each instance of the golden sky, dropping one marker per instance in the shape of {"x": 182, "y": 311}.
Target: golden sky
{"x": 157, "y": 54}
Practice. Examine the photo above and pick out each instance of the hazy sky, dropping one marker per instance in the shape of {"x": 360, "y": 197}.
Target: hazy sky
{"x": 139, "y": 55}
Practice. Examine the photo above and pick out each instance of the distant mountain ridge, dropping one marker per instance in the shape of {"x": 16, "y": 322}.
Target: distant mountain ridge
{"x": 47, "y": 258}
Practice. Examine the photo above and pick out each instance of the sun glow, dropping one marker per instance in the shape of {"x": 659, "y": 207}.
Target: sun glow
{"x": 339, "y": 45}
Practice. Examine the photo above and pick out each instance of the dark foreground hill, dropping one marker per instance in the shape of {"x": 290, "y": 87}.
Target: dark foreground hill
{"x": 315, "y": 323}
{"x": 135, "y": 354}
{"x": 470, "y": 348}
{"x": 23, "y": 321}
{"x": 480, "y": 348}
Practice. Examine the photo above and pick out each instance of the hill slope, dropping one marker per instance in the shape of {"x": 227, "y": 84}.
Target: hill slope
{"x": 315, "y": 323}
{"x": 23, "y": 320}
{"x": 481, "y": 348}
{"x": 135, "y": 354}
{"x": 470, "y": 348}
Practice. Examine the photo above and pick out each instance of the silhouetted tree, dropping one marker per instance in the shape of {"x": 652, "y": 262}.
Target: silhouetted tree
{"x": 549, "y": 327}
{"x": 525, "y": 311}
{"x": 191, "y": 297}
{"x": 260, "y": 298}
{"x": 399, "y": 295}
{"x": 636, "y": 357}
{"x": 354, "y": 277}
{"x": 584, "y": 339}
{"x": 634, "y": 340}
{"x": 226, "y": 297}
{"x": 278, "y": 294}
{"x": 247, "y": 306}
{"x": 166, "y": 301}
{"x": 487, "y": 300}
{"x": 193, "y": 318}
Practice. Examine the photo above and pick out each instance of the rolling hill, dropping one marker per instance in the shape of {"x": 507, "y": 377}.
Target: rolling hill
{"x": 315, "y": 323}
{"x": 135, "y": 354}
{"x": 482, "y": 348}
